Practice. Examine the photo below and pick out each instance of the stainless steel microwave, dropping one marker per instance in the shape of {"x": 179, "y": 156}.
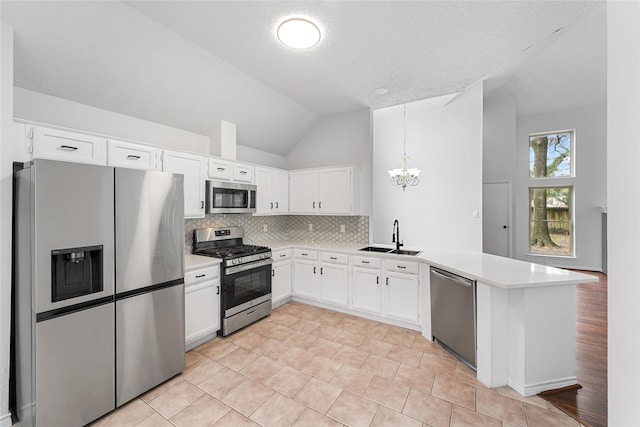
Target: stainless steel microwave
{"x": 230, "y": 197}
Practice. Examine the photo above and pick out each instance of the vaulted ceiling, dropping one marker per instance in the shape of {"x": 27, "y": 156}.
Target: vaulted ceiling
{"x": 189, "y": 64}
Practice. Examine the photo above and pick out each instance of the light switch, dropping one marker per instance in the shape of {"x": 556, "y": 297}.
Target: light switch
{"x": 342, "y": 228}
{"x": 476, "y": 214}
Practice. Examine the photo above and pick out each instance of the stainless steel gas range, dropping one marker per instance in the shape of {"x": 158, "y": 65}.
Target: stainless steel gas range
{"x": 246, "y": 275}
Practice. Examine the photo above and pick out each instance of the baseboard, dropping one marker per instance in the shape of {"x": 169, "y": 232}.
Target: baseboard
{"x": 533, "y": 389}
{"x": 5, "y": 420}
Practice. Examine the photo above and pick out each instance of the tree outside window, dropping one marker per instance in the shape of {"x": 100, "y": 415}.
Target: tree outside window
{"x": 551, "y": 207}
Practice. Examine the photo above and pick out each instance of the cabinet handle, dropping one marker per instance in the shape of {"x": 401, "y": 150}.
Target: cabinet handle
{"x": 273, "y": 273}
{"x": 321, "y": 270}
{"x": 332, "y": 257}
{"x": 314, "y": 270}
{"x": 377, "y": 280}
{"x": 201, "y": 204}
{"x": 68, "y": 148}
{"x": 283, "y": 255}
{"x": 133, "y": 157}
{"x": 365, "y": 262}
{"x": 243, "y": 172}
{"x": 276, "y": 205}
{"x": 319, "y": 205}
{"x": 221, "y": 169}
{"x": 387, "y": 281}
{"x": 271, "y": 205}
{"x": 314, "y": 205}
{"x": 217, "y": 290}
{"x": 198, "y": 276}
{"x": 402, "y": 267}
{"x": 303, "y": 254}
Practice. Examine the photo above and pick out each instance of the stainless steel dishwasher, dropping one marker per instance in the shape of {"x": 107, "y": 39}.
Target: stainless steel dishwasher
{"x": 453, "y": 314}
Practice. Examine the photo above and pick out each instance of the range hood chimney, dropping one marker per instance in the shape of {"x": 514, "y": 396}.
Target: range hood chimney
{"x": 224, "y": 136}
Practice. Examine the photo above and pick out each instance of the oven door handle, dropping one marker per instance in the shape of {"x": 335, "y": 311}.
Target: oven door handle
{"x": 239, "y": 268}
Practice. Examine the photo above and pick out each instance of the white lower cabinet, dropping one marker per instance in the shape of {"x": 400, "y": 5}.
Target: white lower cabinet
{"x": 366, "y": 294}
{"x": 334, "y": 275}
{"x": 281, "y": 277}
{"x": 402, "y": 291}
{"x": 201, "y": 304}
{"x": 305, "y": 273}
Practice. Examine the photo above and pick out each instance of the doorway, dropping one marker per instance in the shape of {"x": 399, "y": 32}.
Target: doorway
{"x": 496, "y": 222}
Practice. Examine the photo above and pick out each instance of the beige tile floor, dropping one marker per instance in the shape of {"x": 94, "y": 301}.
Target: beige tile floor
{"x": 307, "y": 366}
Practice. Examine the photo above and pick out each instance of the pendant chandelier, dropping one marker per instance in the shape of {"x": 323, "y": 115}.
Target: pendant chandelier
{"x": 403, "y": 176}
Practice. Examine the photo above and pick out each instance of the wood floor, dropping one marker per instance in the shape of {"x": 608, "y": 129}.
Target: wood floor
{"x": 589, "y": 404}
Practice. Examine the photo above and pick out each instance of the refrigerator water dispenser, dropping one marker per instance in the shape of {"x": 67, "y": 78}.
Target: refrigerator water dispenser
{"x": 76, "y": 272}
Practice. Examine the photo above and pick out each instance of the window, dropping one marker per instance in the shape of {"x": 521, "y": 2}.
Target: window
{"x": 551, "y": 173}
{"x": 550, "y": 155}
{"x": 550, "y": 224}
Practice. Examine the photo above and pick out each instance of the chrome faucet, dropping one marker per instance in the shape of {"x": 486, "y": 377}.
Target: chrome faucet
{"x": 396, "y": 235}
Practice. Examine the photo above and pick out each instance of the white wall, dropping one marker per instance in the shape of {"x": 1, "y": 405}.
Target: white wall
{"x": 444, "y": 140}
{"x": 498, "y": 139}
{"x": 339, "y": 140}
{"x": 623, "y": 189}
{"x": 259, "y": 157}
{"x": 34, "y": 106}
{"x": 6, "y": 179}
{"x": 589, "y": 184}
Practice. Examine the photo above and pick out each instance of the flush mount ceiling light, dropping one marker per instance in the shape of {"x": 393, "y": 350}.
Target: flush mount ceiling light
{"x": 404, "y": 177}
{"x": 298, "y": 33}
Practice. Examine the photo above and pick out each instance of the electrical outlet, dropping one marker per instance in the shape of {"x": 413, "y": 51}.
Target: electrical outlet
{"x": 342, "y": 228}
{"x": 476, "y": 214}
{"x": 265, "y": 228}
{"x": 310, "y": 227}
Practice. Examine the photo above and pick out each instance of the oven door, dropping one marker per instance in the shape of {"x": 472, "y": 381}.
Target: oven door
{"x": 244, "y": 286}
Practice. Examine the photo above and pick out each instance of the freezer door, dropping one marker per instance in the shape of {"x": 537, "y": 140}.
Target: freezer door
{"x": 149, "y": 228}
{"x": 74, "y": 367}
{"x": 72, "y": 208}
{"x": 149, "y": 341}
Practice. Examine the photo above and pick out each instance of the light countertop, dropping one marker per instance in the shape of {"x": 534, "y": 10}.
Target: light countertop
{"x": 195, "y": 262}
{"x": 498, "y": 271}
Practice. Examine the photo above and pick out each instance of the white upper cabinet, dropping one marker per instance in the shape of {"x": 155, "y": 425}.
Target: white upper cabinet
{"x": 325, "y": 191}
{"x": 272, "y": 192}
{"x": 133, "y": 156}
{"x": 220, "y": 169}
{"x": 242, "y": 173}
{"x": 193, "y": 169}
{"x": 67, "y": 146}
{"x": 302, "y": 191}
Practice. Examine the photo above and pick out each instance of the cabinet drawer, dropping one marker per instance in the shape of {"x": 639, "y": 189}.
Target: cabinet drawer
{"x": 242, "y": 173}
{"x": 220, "y": 169}
{"x": 132, "y": 156}
{"x": 69, "y": 146}
{"x": 281, "y": 255}
{"x": 366, "y": 262}
{"x": 401, "y": 266}
{"x": 202, "y": 275}
{"x": 332, "y": 258}
{"x": 305, "y": 254}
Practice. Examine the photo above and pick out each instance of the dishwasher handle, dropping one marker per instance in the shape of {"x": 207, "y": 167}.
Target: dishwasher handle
{"x": 450, "y": 276}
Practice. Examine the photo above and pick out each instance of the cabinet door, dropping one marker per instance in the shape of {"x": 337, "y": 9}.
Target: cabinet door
{"x": 68, "y": 146}
{"x": 264, "y": 193}
{"x": 192, "y": 167}
{"x": 280, "y": 191}
{"x": 132, "y": 156}
{"x": 366, "y": 290}
{"x": 334, "y": 191}
{"x": 333, "y": 284}
{"x": 305, "y": 278}
{"x": 242, "y": 173}
{"x": 302, "y": 192}
{"x": 281, "y": 281}
{"x": 202, "y": 310}
{"x": 402, "y": 296}
{"x": 220, "y": 169}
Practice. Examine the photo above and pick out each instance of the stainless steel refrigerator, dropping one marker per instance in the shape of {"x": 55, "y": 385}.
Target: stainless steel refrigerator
{"x": 99, "y": 288}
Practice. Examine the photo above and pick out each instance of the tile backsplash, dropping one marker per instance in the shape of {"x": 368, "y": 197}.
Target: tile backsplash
{"x": 285, "y": 227}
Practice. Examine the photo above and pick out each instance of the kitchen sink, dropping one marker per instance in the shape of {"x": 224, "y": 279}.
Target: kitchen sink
{"x": 404, "y": 252}
{"x": 375, "y": 249}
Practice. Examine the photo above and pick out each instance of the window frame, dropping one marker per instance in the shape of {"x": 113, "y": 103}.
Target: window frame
{"x": 572, "y": 219}
{"x": 572, "y": 154}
